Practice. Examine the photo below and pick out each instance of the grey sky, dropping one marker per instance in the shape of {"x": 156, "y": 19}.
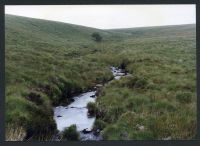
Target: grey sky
{"x": 110, "y": 16}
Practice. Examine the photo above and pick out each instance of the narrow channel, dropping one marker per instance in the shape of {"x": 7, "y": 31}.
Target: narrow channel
{"x": 77, "y": 112}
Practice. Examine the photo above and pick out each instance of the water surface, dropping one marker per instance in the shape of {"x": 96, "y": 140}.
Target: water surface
{"x": 76, "y": 112}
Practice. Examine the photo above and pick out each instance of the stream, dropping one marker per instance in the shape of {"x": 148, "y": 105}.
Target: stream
{"x": 76, "y": 112}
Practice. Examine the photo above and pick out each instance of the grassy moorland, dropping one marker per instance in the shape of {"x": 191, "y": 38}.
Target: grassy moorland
{"x": 47, "y": 62}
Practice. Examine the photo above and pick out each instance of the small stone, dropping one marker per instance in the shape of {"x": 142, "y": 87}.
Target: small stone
{"x": 85, "y": 131}
{"x": 141, "y": 128}
{"x": 99, "y": 85}
{"x": 92, "y": 96}
{"x": 167, "y": 138}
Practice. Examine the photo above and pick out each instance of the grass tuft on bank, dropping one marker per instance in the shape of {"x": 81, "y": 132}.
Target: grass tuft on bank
{"x": 48, "y": 62}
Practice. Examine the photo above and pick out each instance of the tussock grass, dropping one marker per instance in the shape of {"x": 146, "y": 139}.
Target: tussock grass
{"x": 70, "y": 134}
{"x": 158, "y": 95}
{"x": 48, "y": 62}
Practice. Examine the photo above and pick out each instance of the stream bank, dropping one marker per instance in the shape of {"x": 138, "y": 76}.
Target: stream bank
{"x": 76, "y": 113}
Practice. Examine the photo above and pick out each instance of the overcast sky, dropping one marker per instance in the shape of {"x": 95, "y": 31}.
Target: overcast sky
{"x": 110, "y": 16}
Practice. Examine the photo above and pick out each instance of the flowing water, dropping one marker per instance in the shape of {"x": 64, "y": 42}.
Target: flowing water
{"x": 76, "y": 112}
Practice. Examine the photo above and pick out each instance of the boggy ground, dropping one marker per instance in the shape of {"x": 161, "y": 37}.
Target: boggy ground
{"x": 48, "y": 62}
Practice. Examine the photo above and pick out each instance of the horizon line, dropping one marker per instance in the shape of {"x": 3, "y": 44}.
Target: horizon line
{"x": 102, "y": 28}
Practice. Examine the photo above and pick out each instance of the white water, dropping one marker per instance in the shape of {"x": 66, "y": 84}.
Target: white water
{"x": 76, "y": 112}
{"x": 117, "y": 73}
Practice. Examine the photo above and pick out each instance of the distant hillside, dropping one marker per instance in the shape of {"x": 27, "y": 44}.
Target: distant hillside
{"x": 158, "y": 31}
{"x": 60, "y": 32}
{"x": 45, "y": 30}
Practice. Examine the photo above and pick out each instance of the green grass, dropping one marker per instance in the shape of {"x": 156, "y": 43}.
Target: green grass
{"x": 47, "y": 62}
{"x": 161, "y": 91}
{"x": 70, "y": 134}
{"x": 91, "y": 108}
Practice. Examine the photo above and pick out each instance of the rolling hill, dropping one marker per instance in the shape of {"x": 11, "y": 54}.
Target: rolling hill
{"x": 47, "y": 62}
